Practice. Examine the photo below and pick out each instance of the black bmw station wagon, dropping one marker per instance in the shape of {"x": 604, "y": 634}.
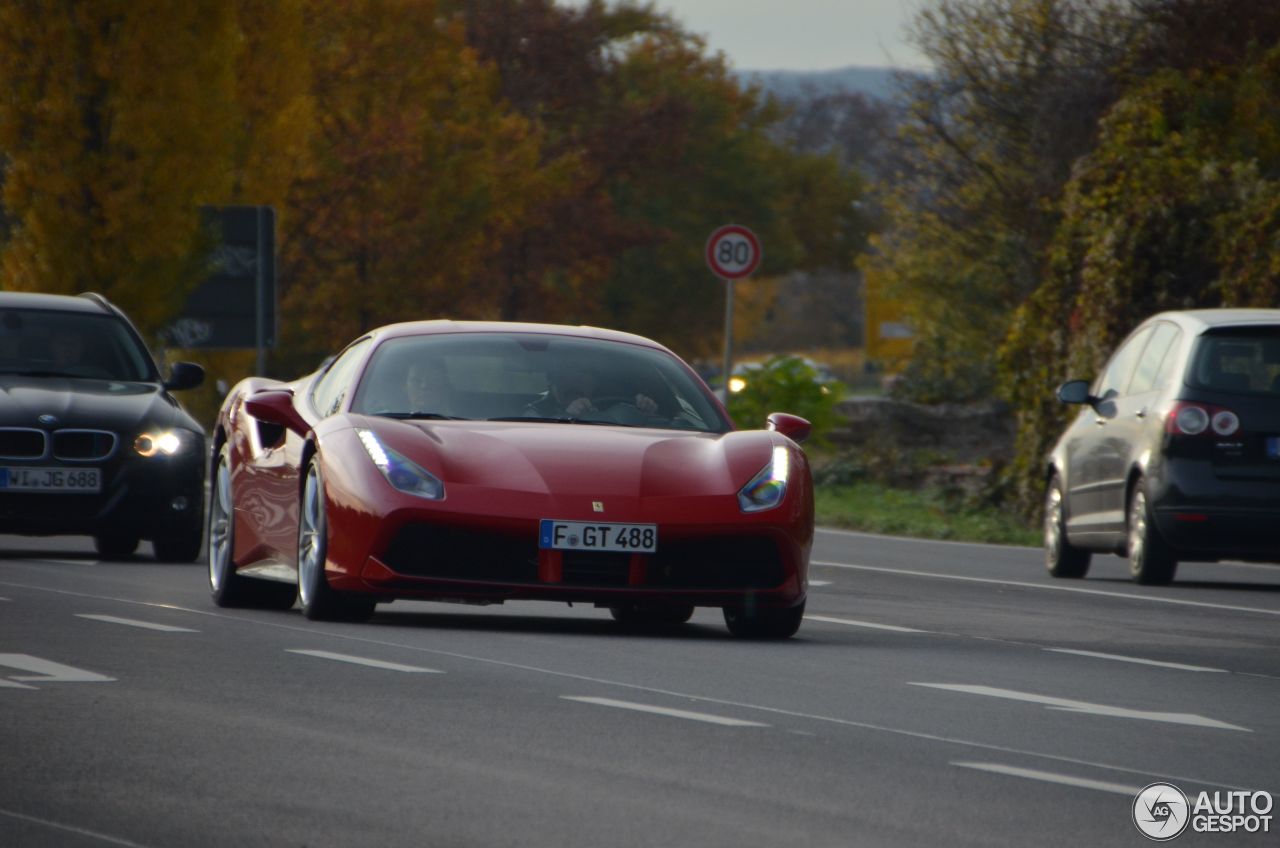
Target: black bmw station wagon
{"x": 91, "y": 440}
{"x": 1176, "y": 453}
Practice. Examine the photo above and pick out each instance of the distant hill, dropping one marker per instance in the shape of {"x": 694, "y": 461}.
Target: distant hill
{"x": 787, "y": 85}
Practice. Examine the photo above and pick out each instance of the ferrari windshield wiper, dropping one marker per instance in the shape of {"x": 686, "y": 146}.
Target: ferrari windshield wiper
{"x": 551, "y": 420}
{"x": 408, "y": 416}
{"x": 535, "y": 418}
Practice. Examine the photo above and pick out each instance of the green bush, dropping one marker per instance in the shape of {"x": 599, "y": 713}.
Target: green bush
{"x": 786, "y": 384}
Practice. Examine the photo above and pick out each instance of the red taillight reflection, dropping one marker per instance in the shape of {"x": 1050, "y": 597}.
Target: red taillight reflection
{"x": 1194, "y": 419}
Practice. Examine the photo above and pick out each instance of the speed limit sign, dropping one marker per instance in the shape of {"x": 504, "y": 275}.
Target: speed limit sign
{"x": 733, "y": 252}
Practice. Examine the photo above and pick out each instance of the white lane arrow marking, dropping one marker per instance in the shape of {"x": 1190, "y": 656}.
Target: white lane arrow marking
{"x": 1086, "y": 707}
{"x": 9, "y": 684}
{"x": 666, "y": 711}
{"x": 1052, "y": 777}
{"x": 382, "y": 664}
{"x": 133, "y": 622}
{"x": 47, "y": 671}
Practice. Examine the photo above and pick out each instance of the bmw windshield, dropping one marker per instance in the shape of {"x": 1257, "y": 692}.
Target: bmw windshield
{"x": 50, "y": 343}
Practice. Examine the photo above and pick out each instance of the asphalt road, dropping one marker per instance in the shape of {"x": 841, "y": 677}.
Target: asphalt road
{"x": 937, "y": 694}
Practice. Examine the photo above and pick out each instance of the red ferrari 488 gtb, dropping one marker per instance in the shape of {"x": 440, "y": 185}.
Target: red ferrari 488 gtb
{"x": 485, "y": 462}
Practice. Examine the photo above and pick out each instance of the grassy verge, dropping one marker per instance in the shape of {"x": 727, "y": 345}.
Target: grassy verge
{"x": 923, "y": 513}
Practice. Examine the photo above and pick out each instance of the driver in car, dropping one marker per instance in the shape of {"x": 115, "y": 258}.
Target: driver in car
{"x": 572, "y": 392}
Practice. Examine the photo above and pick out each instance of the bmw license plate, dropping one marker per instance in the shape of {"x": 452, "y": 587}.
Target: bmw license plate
{"x": 597, "y": 536}
{"x": 66, "y": 480}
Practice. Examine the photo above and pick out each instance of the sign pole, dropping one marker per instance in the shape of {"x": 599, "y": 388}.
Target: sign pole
{"x": 260, "y": 294}
{"x": 732, "y": 252}
{"x": 728, "y": 334}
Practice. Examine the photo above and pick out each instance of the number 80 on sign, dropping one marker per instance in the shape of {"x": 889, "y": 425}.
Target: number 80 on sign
{"x": 733, "y": 252}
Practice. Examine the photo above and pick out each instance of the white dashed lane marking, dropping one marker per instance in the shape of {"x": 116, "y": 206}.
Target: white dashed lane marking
{"x": 365, "y": 661}
{"x": 709, "y": 718}
{"x": 1119, "y": 658}
{"x": 853, "y": 622}
{"x": 1051, "y": 777}
{"x": 133, "y": 622}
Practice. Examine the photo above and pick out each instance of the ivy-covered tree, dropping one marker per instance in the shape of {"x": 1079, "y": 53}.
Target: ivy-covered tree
{"x": 990, "y": 139}
{"x": 1176, "y": 208}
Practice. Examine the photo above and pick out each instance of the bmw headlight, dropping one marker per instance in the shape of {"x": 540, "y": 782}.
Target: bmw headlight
{"x": 767, "y": 489}
{"x": 164, "y": 442}
{"x": 401, "y": 472}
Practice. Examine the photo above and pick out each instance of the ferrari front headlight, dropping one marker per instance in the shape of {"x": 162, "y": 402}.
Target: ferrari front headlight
{"x": 401, "y": 472}
{"x": 767, "y": 489}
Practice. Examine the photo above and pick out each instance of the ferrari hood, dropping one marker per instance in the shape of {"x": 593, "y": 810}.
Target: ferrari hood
{"x": 592, "y": 460}
{"x": 83, "y": 403}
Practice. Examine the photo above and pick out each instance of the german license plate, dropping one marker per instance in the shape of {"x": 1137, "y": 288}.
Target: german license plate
{"x": 597, "y": 536}
{"x": 23, "y": 479}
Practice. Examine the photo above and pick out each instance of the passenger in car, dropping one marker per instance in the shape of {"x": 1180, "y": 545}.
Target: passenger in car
{"x": 573, "y": 392}
{"x": 428, "y": 388}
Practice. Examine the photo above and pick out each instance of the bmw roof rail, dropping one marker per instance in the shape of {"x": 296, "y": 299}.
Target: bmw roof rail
{"x": 101, "y": 300}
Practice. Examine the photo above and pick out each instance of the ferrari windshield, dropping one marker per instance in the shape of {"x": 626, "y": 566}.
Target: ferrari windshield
{"x": 534, "y": 377}
{"x": 52, "y": 343}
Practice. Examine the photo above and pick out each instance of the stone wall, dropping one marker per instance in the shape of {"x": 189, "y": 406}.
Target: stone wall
{"x": 967, "y": 434}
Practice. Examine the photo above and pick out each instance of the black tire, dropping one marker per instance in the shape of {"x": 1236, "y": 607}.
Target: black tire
{"x": 320, "y": 602}
{"x": 116, "y": 545}
{"x": 758, "y": 623}
{"x": 228, "y": 588}
{"x": 647, "y": 615}
{"x": 1151, "y": 561}
{"x": 1061, "y": 558}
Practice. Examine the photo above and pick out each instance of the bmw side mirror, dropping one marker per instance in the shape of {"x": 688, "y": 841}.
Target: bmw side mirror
{"x": 184, "y": 375}
{"x": 1075, "y": 391}
{"x": 793, "y": 427}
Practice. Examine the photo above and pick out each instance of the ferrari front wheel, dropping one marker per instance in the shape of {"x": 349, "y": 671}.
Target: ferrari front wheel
{"x": 764, "y": 623}
{"x": 318, "y": 599}
{"x": 228, "y": 588}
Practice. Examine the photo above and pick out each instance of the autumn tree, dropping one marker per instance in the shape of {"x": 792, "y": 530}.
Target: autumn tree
{"x": 667, "y": 146}
{"x": 417, "y": 169}
{"x": 118, "y": 122}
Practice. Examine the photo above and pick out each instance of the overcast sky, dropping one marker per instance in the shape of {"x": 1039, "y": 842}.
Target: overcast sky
{"x": 803, "y": 35}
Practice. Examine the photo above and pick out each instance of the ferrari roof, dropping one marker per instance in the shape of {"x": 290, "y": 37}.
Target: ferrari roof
{"x": 413, "y": 328}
